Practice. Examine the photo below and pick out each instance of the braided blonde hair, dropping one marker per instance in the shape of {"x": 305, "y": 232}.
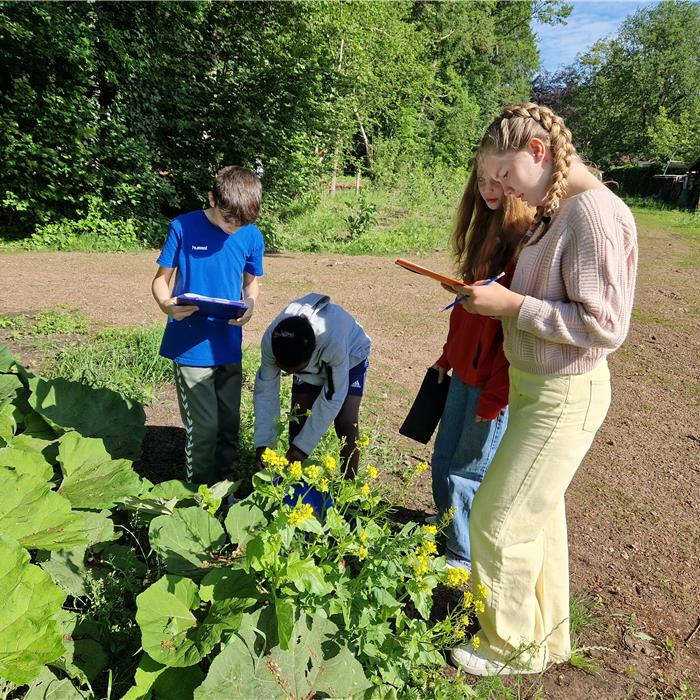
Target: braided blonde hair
{"x": 515, "y": 128}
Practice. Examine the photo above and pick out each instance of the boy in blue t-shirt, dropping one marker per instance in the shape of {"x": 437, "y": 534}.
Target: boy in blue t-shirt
{"x": 215, "y": 252}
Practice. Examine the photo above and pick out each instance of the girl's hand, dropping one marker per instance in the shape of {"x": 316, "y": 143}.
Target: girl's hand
{"x": 479, "y": 419}
{"x": 441, "y": 372}
{"x": 177, "y": 311}
{"x": 491, "y": 300}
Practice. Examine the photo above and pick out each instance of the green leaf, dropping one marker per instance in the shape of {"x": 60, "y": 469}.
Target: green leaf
{"x": 305, "y": 575}
{"x": 99, "y": 527}
{"x": 35, "y": 516}
{"x": 231, "y": 592}
{"x": 285, "y": 613}
{"x": 169, "y": 631}
{"x": 243, "y": 521}
{"x": 313, "y": 664}
{"x": 48, "y": 687}
{"x": 66, "y": 568}
{"x": 91, "y": 478}
{"x": 29, "y": 634}
{"x": 174, "y": 488}
{"x": 186, "y": 540}
{"x": 7, "y": 359}
{"x": 97, "y": 413}
{"x": 7, "y": 424}
{"x": 26, "y": 460}
{"x": 153, "y": 680}
{"x": 10, "y": 387}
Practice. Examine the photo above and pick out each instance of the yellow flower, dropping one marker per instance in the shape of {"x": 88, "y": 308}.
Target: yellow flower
{"x": 482, "y": 591}
{"x": 476, "y": 642}
{"x": 362, "y": 441}
{"x": 465, "y": 621}
{"x": 295, "y": 470}
{"x": 457, "y": 577}
{"x": 421, "y": 565}
{"x": 459, "y": 634}
{"x": 423, "y": 585}
{"x": 365, "y": 490}
{"x": 301, "y": 513}
{"x": 362, "y": 553}
{"x": 329, "y": 463}
{"x": 308, "y": 413}
{"x": 323, "y": 485}
{"x": 468, "y": 599}
{"x": 422, "y": 467}
{"x": 313, "y": 472}
{"x": 479, "y": 606}
{"x": 363, "y": 536}
{"x": 428, "y": 547}
{"x": 429, "y": 530}
{"x": 269, "y": 456}
{"x": 372, "y": 473}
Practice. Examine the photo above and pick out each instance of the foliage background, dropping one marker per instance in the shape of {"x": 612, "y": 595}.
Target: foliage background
{"x": 121, "y": 112}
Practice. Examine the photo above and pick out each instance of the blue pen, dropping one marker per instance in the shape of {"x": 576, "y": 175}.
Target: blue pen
{"x": 464, "y": 296}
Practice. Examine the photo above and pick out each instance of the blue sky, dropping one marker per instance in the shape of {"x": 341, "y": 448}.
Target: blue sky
{"x": 590, "y": 20}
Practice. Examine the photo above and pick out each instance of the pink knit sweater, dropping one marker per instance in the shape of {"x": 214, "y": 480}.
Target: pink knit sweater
{"x": 578, "y": 281}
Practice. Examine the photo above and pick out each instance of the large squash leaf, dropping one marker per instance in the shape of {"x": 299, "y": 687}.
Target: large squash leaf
{"x": 169, "y": 630}
{"x": 35, "y": 516}
{"x": 91, "y": 478}
{"x": 186, "y": 540}
{"x": 25, "y": 459}
{"x": 98, "y": 413}
{"x": 30, "y": 636}
{"x": 313, "y": 664}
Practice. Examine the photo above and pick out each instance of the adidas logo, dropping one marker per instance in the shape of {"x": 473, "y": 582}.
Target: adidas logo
{"x": 356, "y": 384}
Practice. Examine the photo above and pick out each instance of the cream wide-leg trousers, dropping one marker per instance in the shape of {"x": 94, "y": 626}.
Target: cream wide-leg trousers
{"x": 518, "y": 520}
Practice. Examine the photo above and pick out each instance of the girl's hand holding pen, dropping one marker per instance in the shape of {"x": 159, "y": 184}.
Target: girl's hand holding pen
{"x": 491, "y": 300}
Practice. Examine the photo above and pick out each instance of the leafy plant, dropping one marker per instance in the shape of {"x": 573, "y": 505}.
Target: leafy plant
{"x": 362, "y": 217}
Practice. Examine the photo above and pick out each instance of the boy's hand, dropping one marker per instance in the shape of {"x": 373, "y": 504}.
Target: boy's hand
{"x": 246, "y": 316}
{"x": 295, "y": 455}
{"x": 177, "y": 311}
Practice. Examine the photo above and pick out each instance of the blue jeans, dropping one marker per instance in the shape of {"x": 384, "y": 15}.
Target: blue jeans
{"x": 463, "y": 451}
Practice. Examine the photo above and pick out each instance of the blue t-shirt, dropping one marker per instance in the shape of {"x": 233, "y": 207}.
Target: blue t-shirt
{"x": 210, "y": 262}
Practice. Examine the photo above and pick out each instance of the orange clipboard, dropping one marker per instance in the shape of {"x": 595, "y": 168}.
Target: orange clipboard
{"x": 408, "y": 265}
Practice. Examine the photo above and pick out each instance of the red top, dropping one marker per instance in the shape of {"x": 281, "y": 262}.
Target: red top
{"x": 474, "y": 351}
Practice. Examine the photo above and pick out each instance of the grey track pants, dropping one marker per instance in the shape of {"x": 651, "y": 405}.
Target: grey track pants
{"x": 210, "y": 406}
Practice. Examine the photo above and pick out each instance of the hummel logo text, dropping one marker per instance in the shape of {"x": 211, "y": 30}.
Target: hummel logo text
{"x": 199, "y": 247}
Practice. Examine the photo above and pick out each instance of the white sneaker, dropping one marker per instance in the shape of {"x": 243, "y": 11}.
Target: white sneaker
{"x": 470, "y": 661}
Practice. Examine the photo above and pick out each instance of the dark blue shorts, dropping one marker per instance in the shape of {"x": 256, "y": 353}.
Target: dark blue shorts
{"x": 356, "y": 382}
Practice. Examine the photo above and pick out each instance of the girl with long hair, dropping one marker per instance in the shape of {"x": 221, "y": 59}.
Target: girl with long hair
{"x": 567, "y": 309}
{"x": 487, "y": 233}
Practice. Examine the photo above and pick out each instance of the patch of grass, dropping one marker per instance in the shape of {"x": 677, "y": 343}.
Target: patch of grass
{"x": 584, "y": 616}
{"x": 13, "y": 323}
{"x": 60, "y": 320}
{"x": 518, "y": 688}
{"x": 123, "y": 359}
{"x": 412, "y": 215}
{"x": 642, "y": 316}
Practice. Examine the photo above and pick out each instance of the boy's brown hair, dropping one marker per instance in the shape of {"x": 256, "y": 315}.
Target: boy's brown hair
{"x": 237, "y": 192}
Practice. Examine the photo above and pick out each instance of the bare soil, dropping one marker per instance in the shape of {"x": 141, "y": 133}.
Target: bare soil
{"x": 634, "y": 506}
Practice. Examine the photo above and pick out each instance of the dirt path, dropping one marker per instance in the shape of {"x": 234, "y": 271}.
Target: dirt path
{"x": 634, "y": 506}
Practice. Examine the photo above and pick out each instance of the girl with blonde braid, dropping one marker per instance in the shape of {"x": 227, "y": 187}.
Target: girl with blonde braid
{"x": 567, "y": 308}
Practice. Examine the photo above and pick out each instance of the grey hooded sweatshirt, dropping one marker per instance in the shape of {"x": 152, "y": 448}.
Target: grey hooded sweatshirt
{"x": 341, "y": 343}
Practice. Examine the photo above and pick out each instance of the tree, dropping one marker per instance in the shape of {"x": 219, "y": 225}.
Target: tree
{"x": 637, "y": 83}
